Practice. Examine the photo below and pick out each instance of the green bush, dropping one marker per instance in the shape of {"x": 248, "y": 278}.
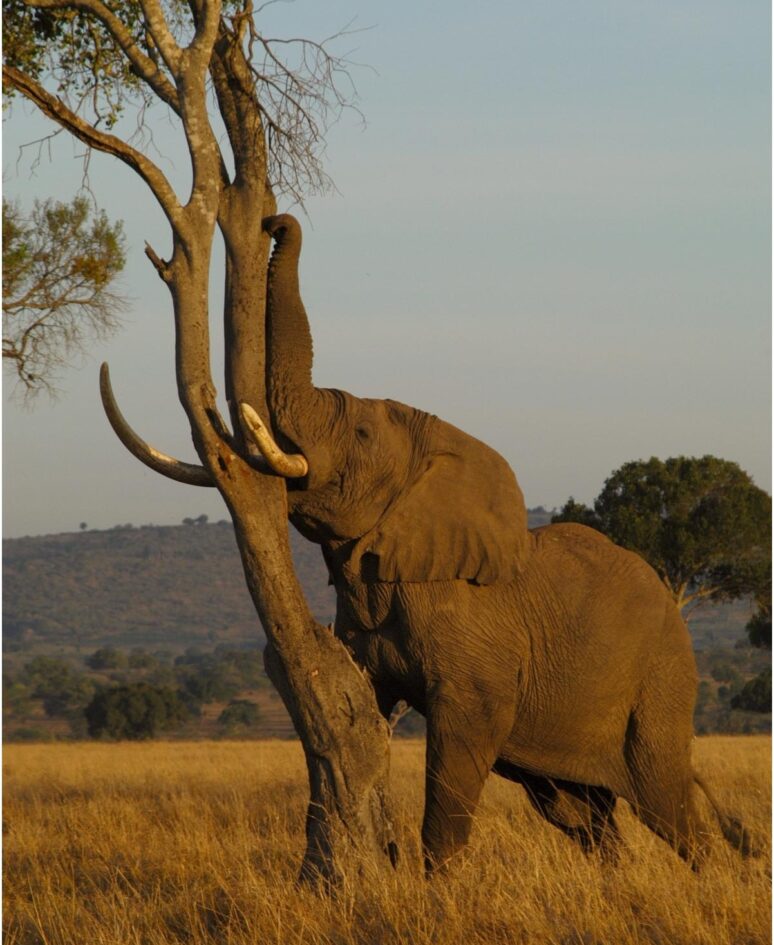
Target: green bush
{"x": 239, "y": 713}
{"x": 26, "y": 734}
{"x": 106, "y": 657}
{"x": 56, "y": 684}
{"x": 759, "y": 627}
{"x": 141, "y": 659}
{"x": 136, "y": 711}
{"x": 755, "y": 695}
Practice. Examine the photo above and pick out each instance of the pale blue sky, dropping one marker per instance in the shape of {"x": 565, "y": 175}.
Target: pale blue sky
{"x": 554, "y": 232}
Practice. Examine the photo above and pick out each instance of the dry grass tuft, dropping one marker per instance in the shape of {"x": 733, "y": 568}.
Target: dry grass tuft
{"x": 160, "y": 843}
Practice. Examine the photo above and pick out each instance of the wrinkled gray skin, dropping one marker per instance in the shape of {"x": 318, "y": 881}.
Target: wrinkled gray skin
{"x": 552, "y": 657}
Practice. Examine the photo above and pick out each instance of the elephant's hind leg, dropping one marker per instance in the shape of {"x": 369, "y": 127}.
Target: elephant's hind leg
{"x": 584, "y": 813}
{"x": 604, "y": 829}
{"x": 662, "y": 788}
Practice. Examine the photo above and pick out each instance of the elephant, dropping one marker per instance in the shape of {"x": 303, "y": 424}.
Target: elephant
{"x": 551, "y": 657}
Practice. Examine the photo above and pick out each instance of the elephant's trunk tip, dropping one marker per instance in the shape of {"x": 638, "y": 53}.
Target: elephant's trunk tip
{"x": 282, "y": 225}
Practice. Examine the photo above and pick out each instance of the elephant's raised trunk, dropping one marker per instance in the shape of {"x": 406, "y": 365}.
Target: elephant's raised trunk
{"x": 290, "y": 392}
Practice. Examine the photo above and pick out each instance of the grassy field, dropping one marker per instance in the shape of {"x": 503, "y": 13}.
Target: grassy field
{"x": 200, "y": 843}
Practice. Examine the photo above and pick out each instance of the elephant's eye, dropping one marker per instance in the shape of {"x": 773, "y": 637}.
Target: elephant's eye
{"x": 363, "y": 432}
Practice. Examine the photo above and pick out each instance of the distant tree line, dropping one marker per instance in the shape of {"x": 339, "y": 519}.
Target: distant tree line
{"x": 137, "y": 694}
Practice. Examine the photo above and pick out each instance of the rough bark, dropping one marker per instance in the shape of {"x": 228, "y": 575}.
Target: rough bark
{"x": 346, "y": 740}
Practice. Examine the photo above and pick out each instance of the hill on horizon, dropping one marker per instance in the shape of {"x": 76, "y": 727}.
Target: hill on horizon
{"x": 151, "y": 585}
{"x": 178, "y": 585}
{"x": 177, "y": 595}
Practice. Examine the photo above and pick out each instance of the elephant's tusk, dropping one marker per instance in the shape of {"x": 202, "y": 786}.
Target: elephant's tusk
{"x": 292, "y": 466}
{"x": 188, "y": 473}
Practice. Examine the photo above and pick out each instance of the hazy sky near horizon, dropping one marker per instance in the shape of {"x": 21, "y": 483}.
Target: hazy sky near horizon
{"x": 553, "y": 232}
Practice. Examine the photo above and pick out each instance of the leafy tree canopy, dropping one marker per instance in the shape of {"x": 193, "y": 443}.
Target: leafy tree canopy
{"x": 60, "y": 263}
{"x": 701, "y": 523}
{"x": 759, "y": 627}
{"x": 141, "y": 659}
{"x": 217, "y": 676}
{"x": 56, "y": 683}
{"x": 103, "y": 58}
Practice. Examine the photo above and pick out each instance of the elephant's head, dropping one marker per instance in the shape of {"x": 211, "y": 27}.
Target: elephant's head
{"x": 417, "y": 499}
{"x": 407, "y": 496}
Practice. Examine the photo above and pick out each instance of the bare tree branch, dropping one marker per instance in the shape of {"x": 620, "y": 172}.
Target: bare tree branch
{"x": 298, "y": 103}
{"x": 54, "y": 108}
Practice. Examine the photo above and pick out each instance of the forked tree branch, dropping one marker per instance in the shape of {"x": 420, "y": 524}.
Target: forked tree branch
{"x": 239, "y": 108}
{"x": 207, "y": 17}
{"x": 699, "y": 595}
{"x": 207, "y": 164}
{"x": 162, "y": 35}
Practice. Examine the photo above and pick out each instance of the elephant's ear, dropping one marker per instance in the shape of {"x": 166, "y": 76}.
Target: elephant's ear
{"x": 462, "y": 518}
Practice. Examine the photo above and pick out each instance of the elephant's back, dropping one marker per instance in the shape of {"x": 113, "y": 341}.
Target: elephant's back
{"x": 607, "y": 591}
{"x": 594, "y": 565}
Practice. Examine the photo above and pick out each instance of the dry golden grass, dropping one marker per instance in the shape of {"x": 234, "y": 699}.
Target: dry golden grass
{"x": 200, "y": 843}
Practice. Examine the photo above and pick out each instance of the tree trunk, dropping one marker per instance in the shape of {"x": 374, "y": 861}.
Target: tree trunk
{"x": 349, "y": 809}
{"x": 331, "y": 702}
{"x": 346, "y": 740}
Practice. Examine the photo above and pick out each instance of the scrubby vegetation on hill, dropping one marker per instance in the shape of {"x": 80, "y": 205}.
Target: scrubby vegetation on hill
{"x": 147, "y": 586}
{"x": 151, "y": 585}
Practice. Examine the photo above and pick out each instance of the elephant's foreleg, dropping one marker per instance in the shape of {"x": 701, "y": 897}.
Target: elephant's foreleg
{"x": 461, "y": 748}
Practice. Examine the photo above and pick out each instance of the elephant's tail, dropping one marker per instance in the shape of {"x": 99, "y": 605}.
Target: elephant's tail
{"x": 732, "y": 828}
